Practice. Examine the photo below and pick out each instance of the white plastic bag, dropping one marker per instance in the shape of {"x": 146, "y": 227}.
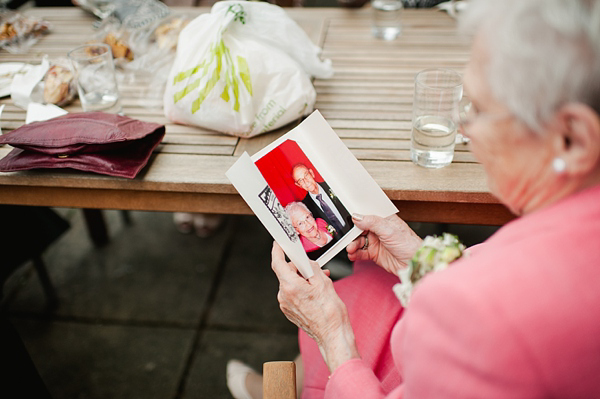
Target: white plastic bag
{"x": 244, "y": 69}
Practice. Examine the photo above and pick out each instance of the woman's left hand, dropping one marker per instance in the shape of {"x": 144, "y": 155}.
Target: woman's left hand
{"x": 314, "y": 306}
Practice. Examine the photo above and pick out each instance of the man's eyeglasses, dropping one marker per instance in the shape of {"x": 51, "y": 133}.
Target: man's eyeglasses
{"x": 302, "y": 180}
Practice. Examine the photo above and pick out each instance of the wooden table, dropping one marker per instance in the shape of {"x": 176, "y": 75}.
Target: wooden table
{"x": 368, "y": 103}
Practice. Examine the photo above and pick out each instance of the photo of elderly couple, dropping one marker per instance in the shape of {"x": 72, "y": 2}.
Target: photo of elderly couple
{"x": 316, "y": 213}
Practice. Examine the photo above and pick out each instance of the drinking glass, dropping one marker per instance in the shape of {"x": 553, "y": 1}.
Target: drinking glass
{"x": 387, "y": 22}
{"x": 100, "y": 8}
{"x": 96, "y": 79}
{"x": 438, "y": 93}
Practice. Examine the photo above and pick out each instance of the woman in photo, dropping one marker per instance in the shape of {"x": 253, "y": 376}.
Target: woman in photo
{"x": 316, "y": 235}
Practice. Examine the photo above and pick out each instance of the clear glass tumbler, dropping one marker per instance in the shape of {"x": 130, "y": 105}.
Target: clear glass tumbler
{"x": 438, "y": 93}
{"x": 387, "y": 18}
{"x": 96, "y": 79}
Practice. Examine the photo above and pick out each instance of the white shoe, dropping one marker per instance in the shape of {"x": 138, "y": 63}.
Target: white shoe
{"x": 236, "y": 379}
{"x": 184, "y": 222}
{"x": 207, "y": 224}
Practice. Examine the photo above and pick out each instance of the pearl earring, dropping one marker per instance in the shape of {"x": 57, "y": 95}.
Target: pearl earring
{"x": 559, "y": 165}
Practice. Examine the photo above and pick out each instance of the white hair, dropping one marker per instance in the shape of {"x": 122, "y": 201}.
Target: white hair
{"x": 542, "y": 53}
{"x": 294, "y": 207}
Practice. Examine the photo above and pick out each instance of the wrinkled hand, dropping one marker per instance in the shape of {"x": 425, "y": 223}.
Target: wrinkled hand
{"x": 314, "y": 306}
{"x": 392, "y": 243}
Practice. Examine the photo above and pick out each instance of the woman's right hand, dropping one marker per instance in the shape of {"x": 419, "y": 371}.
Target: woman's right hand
{"x": 391, "y": 242}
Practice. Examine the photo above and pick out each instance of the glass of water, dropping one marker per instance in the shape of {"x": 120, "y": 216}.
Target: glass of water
{"x": 387, "y": 22}
{"x": 96, "y": 79}
{"x": 438, "y": 93}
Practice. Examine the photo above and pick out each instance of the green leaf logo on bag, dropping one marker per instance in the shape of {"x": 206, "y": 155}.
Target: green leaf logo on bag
{"x": 219, "y": 60}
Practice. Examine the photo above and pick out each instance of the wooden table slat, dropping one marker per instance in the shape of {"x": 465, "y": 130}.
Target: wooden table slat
{"x": 368, "y": 102}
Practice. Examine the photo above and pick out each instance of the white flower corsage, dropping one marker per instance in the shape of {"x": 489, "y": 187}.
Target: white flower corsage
{"x": 331, "y": 194}
{"x": 330, "y": 229}
{"x": 435, "y": 254}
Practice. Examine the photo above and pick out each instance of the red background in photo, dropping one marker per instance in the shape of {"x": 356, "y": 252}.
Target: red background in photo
{"x": 276, "y": 168}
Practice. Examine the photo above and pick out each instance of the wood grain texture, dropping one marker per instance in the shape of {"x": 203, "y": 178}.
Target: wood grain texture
{"x": 368, "y": 102}
{"x": 279, "y": 380}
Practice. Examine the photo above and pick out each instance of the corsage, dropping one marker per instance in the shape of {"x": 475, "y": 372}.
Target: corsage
{"x": 330, "y": 229}
{"x": 435, "y": 254}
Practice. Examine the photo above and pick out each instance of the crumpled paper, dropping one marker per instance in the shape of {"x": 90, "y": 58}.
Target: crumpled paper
{"x": 37, "y": 112}
{"x": 22, "y": 85}
{"x": 22, "y": 94}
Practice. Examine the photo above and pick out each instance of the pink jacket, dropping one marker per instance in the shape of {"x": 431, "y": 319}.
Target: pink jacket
{"x": 519, "y": 318}
{"x": 308, "y": 245}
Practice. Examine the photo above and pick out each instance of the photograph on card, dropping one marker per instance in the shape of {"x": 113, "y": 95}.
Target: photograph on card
{"x": 311, "y": 208}
{"x": 303, "y": 187}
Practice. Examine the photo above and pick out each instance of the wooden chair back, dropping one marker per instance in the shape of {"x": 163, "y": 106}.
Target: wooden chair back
{"x": 279, "y": 380}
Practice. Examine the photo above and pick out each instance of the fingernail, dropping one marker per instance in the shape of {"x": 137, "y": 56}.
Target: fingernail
{"x": 357, "y": 217}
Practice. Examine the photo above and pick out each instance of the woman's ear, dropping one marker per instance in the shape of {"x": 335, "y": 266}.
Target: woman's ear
{"x": 578, "y": 140}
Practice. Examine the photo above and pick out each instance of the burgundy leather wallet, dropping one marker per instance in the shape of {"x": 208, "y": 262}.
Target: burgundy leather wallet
{"x": 97, "y": 142}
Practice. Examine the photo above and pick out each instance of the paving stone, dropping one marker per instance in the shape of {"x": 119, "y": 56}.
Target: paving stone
{"x": 207, "y": 375}
{"x": 247, "y": 295}
{"x": 148, "y": 272}
{"x": 89, "y": 361}
{"x": 129, "y": 313}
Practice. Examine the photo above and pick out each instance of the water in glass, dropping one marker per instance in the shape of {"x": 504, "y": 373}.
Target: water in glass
{"x": 387, "y": 23}
{"x": 433, "y": 140}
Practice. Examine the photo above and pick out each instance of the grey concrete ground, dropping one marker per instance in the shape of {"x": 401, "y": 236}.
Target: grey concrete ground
{"x": 155, "y": 313}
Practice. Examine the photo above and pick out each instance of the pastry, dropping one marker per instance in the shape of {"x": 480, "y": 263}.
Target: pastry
{"x": 57, "y": 85}
{"x": 118, "y": 47}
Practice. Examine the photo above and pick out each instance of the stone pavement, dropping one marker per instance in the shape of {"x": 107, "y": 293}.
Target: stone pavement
{"x": 155, "y": 314}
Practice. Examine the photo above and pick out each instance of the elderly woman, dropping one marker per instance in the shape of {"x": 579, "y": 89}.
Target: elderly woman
{"x": 518, "y": 318}
{"x": 313, "y": 233}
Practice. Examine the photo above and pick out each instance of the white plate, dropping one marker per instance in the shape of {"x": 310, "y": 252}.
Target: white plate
{"x": 7, "y": 71}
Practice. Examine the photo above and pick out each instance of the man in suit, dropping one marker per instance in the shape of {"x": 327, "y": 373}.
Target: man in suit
{"x": 322, "y": 201}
